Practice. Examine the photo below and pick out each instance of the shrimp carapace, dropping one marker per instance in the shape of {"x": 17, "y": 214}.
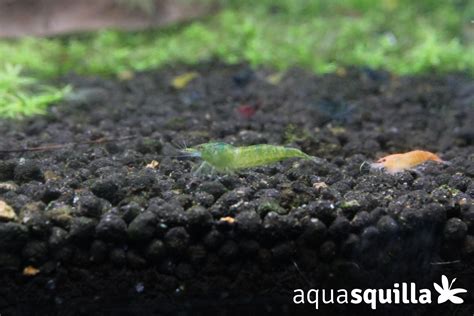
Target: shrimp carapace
{"x": 227, "y": 158}
{"x": 400, "y": 162}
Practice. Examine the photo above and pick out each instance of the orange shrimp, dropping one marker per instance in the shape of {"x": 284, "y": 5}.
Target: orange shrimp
{"x": 400, "y": 162}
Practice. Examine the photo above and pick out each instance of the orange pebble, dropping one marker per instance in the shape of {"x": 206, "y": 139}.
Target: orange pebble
{"x": 228, "y": 219}
{"x": 400, "y": 162}
{"x": 30, "y": 271}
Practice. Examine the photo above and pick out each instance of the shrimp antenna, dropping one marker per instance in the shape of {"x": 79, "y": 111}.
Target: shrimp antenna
{"x": 446, "y": 163}
{"x": 186, "y": 155}
{"x": 175, "y": 144}
{"x": 99, "y": 141}
{"x": 362, "y": 165}
{"x": 180, "y": 144}
{"x": 301, "y": 273}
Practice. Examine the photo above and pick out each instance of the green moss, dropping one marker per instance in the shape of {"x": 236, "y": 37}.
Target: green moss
{"x": 452, "y": 191}
{"x": 403, "y": 36}
{"x": 295, "y": 135}
{"x": 176, "y": 123}
{"x": 270, "y": 205}
{"x": 349, "y": 204}
{"x": 21, "y": 95}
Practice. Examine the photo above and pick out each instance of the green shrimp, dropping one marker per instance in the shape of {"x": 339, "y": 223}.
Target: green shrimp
{"x": 227, "y": 158}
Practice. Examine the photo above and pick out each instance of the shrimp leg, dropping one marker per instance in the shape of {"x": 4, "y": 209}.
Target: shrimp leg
{"x": 204, "y": 167}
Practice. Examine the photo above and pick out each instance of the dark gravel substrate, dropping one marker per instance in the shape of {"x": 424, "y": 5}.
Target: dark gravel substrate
{"x": 111, "y": 236}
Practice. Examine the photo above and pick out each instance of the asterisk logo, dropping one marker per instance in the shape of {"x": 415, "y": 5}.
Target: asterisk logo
{"x": 448, "y": 294}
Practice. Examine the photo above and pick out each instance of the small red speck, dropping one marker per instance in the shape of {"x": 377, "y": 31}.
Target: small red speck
{"x": 246, "y": 111}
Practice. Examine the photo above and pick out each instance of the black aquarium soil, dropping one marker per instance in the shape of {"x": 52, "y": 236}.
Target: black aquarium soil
{"x": 118, "y": 226}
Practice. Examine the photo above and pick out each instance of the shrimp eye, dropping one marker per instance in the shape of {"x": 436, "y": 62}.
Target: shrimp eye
{"x": 382, "y": 160}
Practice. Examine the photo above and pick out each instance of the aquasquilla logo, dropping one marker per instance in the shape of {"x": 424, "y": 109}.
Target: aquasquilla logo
{"x": 447, "y": 293}
{"x": 400, "y": 293}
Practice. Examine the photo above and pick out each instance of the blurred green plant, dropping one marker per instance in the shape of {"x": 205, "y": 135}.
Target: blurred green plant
{"x": 403, "y": 36}
{"x": 399, "y": 35}
{"x": 21, "y": 95}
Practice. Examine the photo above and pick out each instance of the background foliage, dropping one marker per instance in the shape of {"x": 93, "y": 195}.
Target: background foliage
{"x": 403, "y": 36}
